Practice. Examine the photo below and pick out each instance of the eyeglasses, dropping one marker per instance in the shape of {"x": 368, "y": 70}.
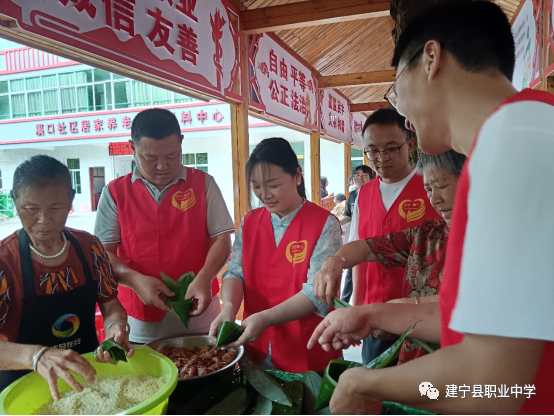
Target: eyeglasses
{"x": 390, "y": 95}
{"x": 390, "y": 153}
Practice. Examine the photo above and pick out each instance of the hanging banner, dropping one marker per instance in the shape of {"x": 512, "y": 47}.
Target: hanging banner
{"x": 189, "y": 42}
{"x": 549, "y": 55}
{"x": 527, "y": 33}
{"x": 335, "y": 115}
{"x": 280, "y": 84}
{"x": 358, "y": 120}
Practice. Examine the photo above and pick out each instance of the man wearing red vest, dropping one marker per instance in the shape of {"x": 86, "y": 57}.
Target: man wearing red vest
{"x": 455, "y": 63}
{"x": 163, "y": 217}
{"x": 393, "y": 203}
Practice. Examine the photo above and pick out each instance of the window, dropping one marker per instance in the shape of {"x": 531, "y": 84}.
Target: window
{"x": 196, "y": 160}
{"x": 74, "y": 166}
{"x": 141, "y": 94}
{"x": 4, "y": 107}
{"x": 356, "y": 159}
{"x": 122, "y": 94}
{"x": 160, "y": 96}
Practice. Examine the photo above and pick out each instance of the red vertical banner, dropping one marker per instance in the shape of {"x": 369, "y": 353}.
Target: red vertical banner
{"x": 191, "y": 42}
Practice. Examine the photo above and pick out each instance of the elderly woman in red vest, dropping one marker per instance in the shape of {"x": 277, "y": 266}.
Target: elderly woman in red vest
{"x": 278, "y": 249}
{"x": 420, "y": 251}
{"x": 51, "y": 278}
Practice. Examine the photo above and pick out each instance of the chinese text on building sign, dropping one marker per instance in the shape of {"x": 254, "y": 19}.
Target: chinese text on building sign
{"x": 526, "y": 30}
{"x": 335, "y": 115}
{"x": 358, "y": 120}
{"x": 190, "y": 42}
{"x": 281, "y": 85}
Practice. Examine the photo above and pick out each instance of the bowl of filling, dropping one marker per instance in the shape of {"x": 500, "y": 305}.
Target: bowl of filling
{"x": 142, "y": 385}
{"x": 196, "y": 359}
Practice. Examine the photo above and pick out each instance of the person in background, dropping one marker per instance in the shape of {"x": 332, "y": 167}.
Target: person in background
{"x": 393, "y": 203}
{"x": 276, "y": 253}
{"x": 362, "y": 175}
{"x": 455, "y": 63}
{"x": 324, "y": 185}
{"x": 420, "y": 251}
{"x": 351, "y": 184}
{"x": 164, "y": 217}
{"x": 338, "y": 211}
{"x": 51, "y": 278}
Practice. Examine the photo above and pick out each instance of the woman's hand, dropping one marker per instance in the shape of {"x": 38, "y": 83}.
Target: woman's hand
{"x": 120, "y": 335}
{"x": 327, "y": 280}
{"x": 54, "y": 364}
{"x": 226, "y": 315}
{"x": 254, "y": 326}
{"x": 152, "y": 291}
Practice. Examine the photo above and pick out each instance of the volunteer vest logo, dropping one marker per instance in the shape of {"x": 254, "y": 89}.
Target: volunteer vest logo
{"x": 183, "y": 200}
{"x": 66, "y": 325}
{"x": 412, "y": 210}
{"x": 296, "y": 252}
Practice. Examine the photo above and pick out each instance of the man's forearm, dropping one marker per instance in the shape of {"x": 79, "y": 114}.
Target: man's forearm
{"x": 123, "y": 273}
{"x": 216, "y": 258}
{"x": 477, "y": 361}
{"x": 397, "y": 317}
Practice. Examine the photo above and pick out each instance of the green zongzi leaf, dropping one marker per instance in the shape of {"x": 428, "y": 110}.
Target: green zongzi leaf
{"x": 178, "y": 303}
{"x": 117, "y": 351}
{"x": 339, "y": 303}
{"x": 228, "y": 332}
{"x": 295, "y": 389}
{"x": 421, "y": 344}
{"x": 262, "y": 382}
{"x": 330, "y": 380}
{"x": 263, "y": 406}
{"x": 391, "y": 353}
{"x": 233, "y": 404}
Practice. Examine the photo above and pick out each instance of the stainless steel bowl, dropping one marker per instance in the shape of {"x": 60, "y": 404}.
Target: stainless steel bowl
{"x": 196, "y": 340}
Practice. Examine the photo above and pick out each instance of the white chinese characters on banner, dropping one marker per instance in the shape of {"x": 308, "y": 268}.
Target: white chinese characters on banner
{"x": 358, "y": 120}
{"x": 527, "y": 71}
{"x": 335, "y": 115}
{"x": 187, "y": 41}
{"x": 280, "y": 84}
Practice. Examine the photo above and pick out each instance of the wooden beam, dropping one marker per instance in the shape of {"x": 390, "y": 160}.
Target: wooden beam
{"x": 359, "y": 108}
{"x": 310, "y": 13}
{"x": 361, "y": 78}
{"x": 347, "y": 167}
{"x": 240, "y": 143}
{"x": 315, "y": 152}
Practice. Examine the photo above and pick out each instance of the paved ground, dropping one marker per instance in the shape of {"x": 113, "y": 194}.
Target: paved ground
{"x": 80, "y": 221}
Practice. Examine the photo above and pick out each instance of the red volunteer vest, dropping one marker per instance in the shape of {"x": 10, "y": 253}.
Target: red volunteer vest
{"x": 410, "y": 209}
{"x": 541, "y": 403}
{"x": 274, "y": 274}
{"x": 171, "y": 238}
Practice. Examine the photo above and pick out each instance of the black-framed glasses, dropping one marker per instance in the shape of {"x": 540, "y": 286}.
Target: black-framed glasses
{"x": 390, "y": 95}
{"x": 390, "y": 153}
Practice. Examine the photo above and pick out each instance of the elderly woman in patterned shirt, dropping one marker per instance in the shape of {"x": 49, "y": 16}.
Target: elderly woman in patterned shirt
{"x": 421, "y": 250}
{"x": 51, "y": 278}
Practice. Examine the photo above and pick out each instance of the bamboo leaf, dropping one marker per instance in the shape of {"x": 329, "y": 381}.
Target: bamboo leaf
{"x": 339, "y": 303}
{"x": 312, "y": 385}
{"x": 391, "y": 353}
{"x": 264, "y": 406}
{"x": 263, "y": 383}
{"x": 228, "y": 332}
{"x": 234, "y": 404}
{"x": 116, "y": 350}
{"x": 295, "y": 389}
{"x": 330, "y": 380}
{"x": 178, "y": 303}
{"x": 421, "y": 344}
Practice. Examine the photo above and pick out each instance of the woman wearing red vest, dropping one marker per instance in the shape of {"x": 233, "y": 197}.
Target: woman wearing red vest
{"x": 276, "y": 253}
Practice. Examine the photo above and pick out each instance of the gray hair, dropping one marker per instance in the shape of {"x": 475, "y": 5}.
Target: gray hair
{"x": 451, "y": 161}
{"x": 39, "y": 171}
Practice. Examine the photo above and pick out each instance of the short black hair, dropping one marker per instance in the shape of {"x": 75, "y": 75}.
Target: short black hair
{"x": 451, "y": 161}
{"x": 340, "y": 197}
{"x": 386, "y": 116}
{"x": 365, "y": 169}
{"x": 38, "y": 171}
{"x": 476, "y": 33}
{"x": 154, "y": 123}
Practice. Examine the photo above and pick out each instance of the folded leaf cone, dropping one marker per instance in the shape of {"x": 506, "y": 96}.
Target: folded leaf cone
{"x": 337, "y": 367}
{"x": 228, "y": 332}
{"x": 117, "y": 351}
{"x": 339, "y": 303}
{"x": 178, "y": 303}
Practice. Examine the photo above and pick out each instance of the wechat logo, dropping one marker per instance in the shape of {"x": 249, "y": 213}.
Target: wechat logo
{"x": 427, "y": 389}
